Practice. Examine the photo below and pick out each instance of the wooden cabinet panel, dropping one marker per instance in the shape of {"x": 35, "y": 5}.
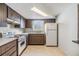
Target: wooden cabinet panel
{"x": 36, "y": 39}
{"x": 14, "y": 54}
{"x": 12, "y": 50}
{"x": 11, "y": 45}
{"x": 10, "y": 13}
{"x": 16, "y": 16}
{"x": 0, "y": 50}
{"x": 13, "y": 15}
{"x": 9, "y": 48}
{"x": 4, "y": 48}
{"x": 28, "y": 23}
{"x": 5, "y": 54}
{"x": 3, "y": 15}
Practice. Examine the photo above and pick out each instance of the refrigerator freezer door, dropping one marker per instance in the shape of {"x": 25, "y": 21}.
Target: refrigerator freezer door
{"x": 51, "y": 38}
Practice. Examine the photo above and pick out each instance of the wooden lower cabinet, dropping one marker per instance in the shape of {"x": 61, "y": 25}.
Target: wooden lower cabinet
{"x": 14, "y": 54}
{"x": 0, "y": 50}
{"x": 9, "y": 49}
{"x": 36, "y": 39}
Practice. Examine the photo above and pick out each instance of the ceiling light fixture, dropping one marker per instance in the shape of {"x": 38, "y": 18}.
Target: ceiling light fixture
{"x": 39, "y": 11}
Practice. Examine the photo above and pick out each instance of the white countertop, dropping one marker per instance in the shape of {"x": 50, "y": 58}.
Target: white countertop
{"x": 6, "y": 40}
{"x": 22, "y": 34}
{"x": 36, "y": 32}
{"x": 31, "y": 33}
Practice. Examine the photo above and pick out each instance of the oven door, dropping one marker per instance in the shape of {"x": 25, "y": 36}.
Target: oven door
{"x": 21, "y": 45}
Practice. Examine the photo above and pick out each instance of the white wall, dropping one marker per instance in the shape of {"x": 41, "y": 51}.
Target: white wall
{"x": 68, "y": 30}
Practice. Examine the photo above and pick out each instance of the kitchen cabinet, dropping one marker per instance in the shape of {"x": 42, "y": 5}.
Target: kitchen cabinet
{"x": 22, "y": 23}
{"x": 50, "y": 20}
{"x": 9, "y": 49}
{"x": 36, "y": 39}
{"x": 0, "y": 50}
{"x": 3, "y": 15}
{"x": 28, "y": 23}
{"x": 13, "y": 15}
{"x": 8, "y": 13}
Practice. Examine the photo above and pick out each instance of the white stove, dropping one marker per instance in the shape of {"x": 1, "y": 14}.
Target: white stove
{"x": 22, "y": 43}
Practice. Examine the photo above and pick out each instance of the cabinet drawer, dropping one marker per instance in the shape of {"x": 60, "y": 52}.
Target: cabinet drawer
{"x": 5, "y": 54}
{"x": 36, "y": 34}
{"x": 8, "y": 48}
{"x": 9, "y": 52}
{"x": 14, "y": 54}
{"x": 36, "y": 39}
{"x": 4, "y": 48}
{"x": 11, "y": 44}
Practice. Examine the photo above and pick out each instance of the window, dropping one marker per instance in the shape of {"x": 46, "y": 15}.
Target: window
{"x": 38, "y": 25}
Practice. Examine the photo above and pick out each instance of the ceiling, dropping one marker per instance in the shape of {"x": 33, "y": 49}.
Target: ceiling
{"x": 52, "y": 9}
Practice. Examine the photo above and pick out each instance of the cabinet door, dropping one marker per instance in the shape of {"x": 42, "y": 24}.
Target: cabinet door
{"x": 36, "y": 39}
{"x": 14, "y": 54}
{"x": 11, "y": 51}
{"x": 13, "y": 15}
{"x": 0, "y": 50}
{"x": 3, "y": 15}
{"x": 4, "y": 48}
{"x": 28, "y": 23}
{"x": 9, "y": 48}
{"x": 16, "y": 16}
{"x": 10, "y": 13}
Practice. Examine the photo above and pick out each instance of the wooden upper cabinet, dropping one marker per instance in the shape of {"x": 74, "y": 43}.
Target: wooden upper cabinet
{"x": 13, "y": 15}
{"x": 3, "y": 15}
{"x": 10, "y": 13}
{"x": 7, "y": 12}
{"x": 28, "y": 23}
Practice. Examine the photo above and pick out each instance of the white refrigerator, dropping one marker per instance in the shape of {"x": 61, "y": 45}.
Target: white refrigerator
{"x": 51, "y": 34}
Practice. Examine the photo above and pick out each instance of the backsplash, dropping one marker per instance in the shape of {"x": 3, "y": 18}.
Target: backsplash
{"x": 30, "y": 30}
{"x": 9, "y": 32}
